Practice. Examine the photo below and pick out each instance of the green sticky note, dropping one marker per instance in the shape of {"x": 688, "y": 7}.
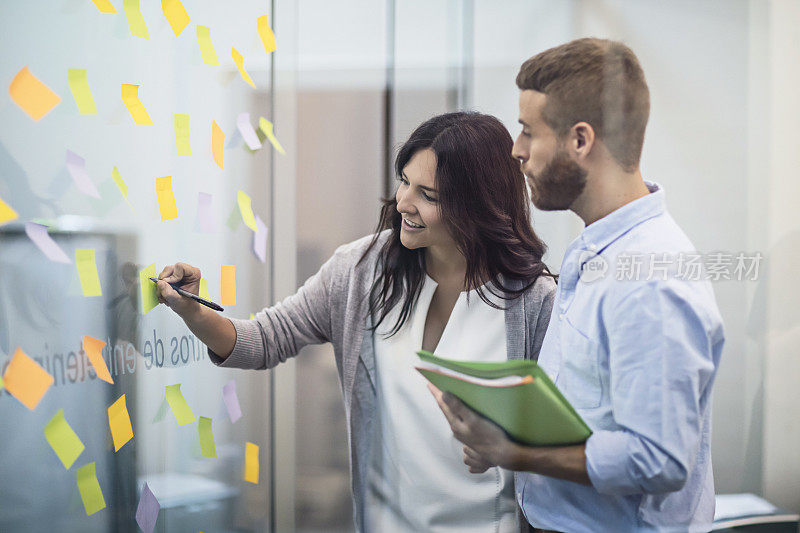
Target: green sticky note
{"x": 162, "y": 410}
{"x": 1, "y": 382}
{"x": 178, "y": 404}
{"x": 89, "y": 488}
{"x": 207, "y": 448}
{"x": 147, "y": 289}
{"x": 234, "y": 219}
{"x": 87, "y": 271}
{"x": 182, "y": 142}
{"x": 63, "y": 439}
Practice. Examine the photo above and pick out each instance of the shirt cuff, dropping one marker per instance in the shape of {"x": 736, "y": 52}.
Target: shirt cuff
{"x": 248, "y": 350}
{"x": 607, "y": 462}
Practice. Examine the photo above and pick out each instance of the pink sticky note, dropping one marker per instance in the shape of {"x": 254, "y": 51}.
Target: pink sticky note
{"x": 77, "y": 169}
{"x": 260, "y": 240}
{"x": 147, "y": 510}
{"x": 247, "y": 131}
{"x": 38, "y": 234}
{"x": 231, "y": 401}
{"x": 206, "y": 222}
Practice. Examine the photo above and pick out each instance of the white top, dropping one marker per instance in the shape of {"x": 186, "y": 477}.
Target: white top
{"x": 418, "y": 480}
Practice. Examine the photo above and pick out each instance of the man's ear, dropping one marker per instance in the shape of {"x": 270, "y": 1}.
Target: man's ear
{"x": 581, "y": 140}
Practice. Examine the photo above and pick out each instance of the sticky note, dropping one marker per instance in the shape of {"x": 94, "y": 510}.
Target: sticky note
{"x": 251, "y": 462}
{"x": 260, "y": 240}
{"x": 89, "y": 488}
{"x": 228, "y": 284}
{"x": 76, "y": 165}
{"x": 130, "y": 96}
{"x": 148, "y": 294}
{"x": 2, "y": 385}
{"x": 176, "y": 15}
{"x": 6, "y": 213}
{"x": 79, "y": 85}
{"x": 265, "y": 32}
{"x": 247, "y": 131}
{"x": 203, "y": 292}
{"x": 231, "y": 401}
{"x": 26, "y": 380}
{"x": 120, "y": 423}
{"x": 94, "y": 351}
{"x": 104, "y": 6}
{"x": 234, "y": 219}
{"x": 123, "y": 188}
{"x": 246, "y": 210}
{"x": 207, "y": 448}
{"x": 182, "y": 135}
{"x": 178, "y": 404}
{"x": 38, "y": 234}
{"x": 135, "y": 18}
{"x": 166, "y": 200}
{"x": 239, "y": 60}
{"x": 267, "y": 129}
{"x": 147, "y": 510}
{"x": 206, "y": 222}
{"x": 31, "y": 95}
{"x": 206, "y": 47}
{"x": 217, "y": 142}
{"x": 87, "y": 271}
{"x": 64, "y": 441}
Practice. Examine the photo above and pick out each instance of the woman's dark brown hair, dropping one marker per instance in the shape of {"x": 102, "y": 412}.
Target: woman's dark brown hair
{"x": 482, "y": 199}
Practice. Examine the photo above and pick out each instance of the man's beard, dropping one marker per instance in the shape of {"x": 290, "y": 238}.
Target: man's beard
{"x": 559, "y": 183}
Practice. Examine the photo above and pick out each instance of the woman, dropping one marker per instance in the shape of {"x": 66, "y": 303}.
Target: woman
{"x": 455, "y": 268}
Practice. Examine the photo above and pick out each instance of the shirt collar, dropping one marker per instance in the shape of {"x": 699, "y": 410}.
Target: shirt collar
{"x": 599, "y": 234}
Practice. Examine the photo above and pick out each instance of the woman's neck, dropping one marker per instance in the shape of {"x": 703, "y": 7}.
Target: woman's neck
{"x": 446, "y": 266}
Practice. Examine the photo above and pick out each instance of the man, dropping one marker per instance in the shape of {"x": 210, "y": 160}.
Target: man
{"x": 635, "y": 352}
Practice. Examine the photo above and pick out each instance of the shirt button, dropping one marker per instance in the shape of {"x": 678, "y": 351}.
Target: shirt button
{"x": 519, "y": 496}
{"x": 593, "y": 247}
{"x": 561, "y": 316}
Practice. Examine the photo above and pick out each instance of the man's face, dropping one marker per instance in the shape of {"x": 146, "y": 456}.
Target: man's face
{"x": 554, "y": 178}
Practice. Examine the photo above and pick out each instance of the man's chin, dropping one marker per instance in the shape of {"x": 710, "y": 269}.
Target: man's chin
{"x": 546, "y": 204}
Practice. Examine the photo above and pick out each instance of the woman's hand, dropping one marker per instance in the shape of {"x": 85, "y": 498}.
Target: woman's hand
{"x": 188, "y": 277}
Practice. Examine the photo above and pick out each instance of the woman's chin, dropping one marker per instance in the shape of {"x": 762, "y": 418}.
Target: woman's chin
{"x": 409, "y": 241}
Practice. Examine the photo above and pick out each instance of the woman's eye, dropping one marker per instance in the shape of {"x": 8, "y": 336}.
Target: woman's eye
{"x": 429, "y": 198}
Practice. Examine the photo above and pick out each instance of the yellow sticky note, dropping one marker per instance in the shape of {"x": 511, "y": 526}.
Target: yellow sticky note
{"x": 104, "y": 6}
{"x": 206, "y": 47}
{"x": 265, "y": 32}
{"x": 87, "y": 272}
{"x": 135, "y": 18}
{"x": 217, "y": 142}
{"x": 94, "y": 351}
{"x": 89, "y": 488}
{"x": 251, "y": 462}
{"x": 130, "y": 96}
{"x": 79, "y": 85}
{"x": 267, "y": 129}
{"x": 147, "y": 289}
{"x": 178, "y": 404}
{"x": 246, "y": 210}
{"x": 182, "y": 135}
{"x": 176, "y": 15}
{"x": 30, "y": 94}
{"x": 6, "y": 213}
{"x": 26, "y": 380}
{"x": 239, "y": 60}
{"x": 120, "y": 423}
{"x": 204, "y": 289}
{"x": 64, "y": 441}
{"x": 227, "y": 276}
{"x": 123, "y": 188}
{"x": 166, "y": 200}
{"x": 207, "y": 448}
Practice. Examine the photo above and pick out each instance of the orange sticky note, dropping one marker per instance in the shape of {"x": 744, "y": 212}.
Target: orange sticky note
{"x": 33, "y": 96}
{"x": 26, "y": 380}
{"x": 166, "y": 199}
{"x": 228, "y": 284}
{"x": 93, "y": 349}
{"x": 251, "y": 462}
{"x": 217, "y": 142}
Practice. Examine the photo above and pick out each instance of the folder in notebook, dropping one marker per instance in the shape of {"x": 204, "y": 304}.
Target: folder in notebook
{"x": 517, "y": 395}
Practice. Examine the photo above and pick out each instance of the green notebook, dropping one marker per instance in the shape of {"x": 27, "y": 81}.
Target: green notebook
{"x": 533, "y": 411}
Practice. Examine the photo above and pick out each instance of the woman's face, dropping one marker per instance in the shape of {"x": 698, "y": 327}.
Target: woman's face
{"x": 417, "y": 202}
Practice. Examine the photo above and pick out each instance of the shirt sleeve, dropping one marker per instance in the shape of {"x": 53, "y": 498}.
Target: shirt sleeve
{"x": 661, "y": 366}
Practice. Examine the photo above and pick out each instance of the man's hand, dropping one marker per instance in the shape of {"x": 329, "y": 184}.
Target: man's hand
{"x": 485, "y": 444}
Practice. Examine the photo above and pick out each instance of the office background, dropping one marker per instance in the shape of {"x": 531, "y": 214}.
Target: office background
{"x": 349, "y": 81}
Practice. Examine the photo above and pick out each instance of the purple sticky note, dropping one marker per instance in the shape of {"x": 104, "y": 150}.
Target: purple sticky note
{"x": 206, "y": 221}
{"x": 247, "y": 131}
{"x": 147, "y": 511}
{"x": 231, "y": 401}
{"x": 76, "y": 166}
{"x": 38, "y": 234}
{"x": 260, "y": 240}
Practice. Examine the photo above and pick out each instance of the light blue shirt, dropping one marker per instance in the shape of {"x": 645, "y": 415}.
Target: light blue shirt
{"x": 636, "y": 355}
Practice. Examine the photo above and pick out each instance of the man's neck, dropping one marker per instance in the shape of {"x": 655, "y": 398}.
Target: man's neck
{"x": 607, "y": 192}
